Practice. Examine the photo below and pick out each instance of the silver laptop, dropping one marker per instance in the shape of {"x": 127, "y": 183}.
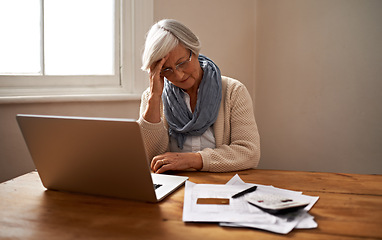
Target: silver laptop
{"x": 99, "y": 156}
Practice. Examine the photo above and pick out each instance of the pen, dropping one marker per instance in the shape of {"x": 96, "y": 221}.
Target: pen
{"x": 242, "y": 193}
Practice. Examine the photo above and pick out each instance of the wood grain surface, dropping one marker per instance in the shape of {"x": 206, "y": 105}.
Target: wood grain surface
{"x": 350, "y": 207}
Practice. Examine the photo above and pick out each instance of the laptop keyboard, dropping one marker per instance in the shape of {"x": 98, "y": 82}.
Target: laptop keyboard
{"x": 156, "y": 186}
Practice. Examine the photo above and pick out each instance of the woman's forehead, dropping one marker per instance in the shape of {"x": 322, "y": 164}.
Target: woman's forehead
{"x": 176, "y": 55}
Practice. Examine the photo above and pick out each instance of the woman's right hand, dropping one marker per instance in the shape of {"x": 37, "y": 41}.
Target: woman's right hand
{"x": 152, "y": 113}
{"x": 156, "y": 80}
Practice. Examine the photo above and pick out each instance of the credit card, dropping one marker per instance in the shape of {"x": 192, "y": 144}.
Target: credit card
{"x": 214, "y": 201}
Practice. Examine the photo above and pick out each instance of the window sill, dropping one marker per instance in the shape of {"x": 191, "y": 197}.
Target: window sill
{"x": 71, "y": 97}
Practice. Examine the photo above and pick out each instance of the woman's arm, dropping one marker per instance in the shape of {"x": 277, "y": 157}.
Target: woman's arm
{"x": 155, "y": 135}
{"x": 151, "y": 112}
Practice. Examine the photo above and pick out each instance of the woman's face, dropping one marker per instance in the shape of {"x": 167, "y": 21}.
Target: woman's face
{"x": 189, "y": 73}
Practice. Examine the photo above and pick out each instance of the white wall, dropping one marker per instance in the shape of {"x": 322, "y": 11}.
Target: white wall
{"x": 319, "y": 83}
{"x": 313, "y": 68}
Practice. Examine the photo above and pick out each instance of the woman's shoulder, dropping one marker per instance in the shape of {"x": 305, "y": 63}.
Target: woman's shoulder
{"x": 231, "y": 84}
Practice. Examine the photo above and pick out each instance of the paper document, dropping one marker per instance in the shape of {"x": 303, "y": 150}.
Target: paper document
{"x": 239, "y": 212}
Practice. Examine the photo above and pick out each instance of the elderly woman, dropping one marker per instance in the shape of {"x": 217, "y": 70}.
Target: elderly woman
{"x": 191, "y": 117}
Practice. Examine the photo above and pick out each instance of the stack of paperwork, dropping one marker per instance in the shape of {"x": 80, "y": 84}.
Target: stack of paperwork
{"x": 238, "y": 212}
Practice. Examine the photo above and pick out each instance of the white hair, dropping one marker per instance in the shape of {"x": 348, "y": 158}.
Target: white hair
{"x": 163, "y": 37}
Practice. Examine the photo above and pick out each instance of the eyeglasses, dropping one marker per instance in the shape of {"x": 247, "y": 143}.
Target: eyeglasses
{"x": 167, "y": 72}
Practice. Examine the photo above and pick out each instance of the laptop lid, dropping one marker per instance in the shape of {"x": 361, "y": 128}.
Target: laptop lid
{"x": 99, "y": 156}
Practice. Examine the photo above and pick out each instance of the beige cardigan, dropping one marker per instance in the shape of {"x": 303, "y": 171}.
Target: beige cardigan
{"x": 236, "y": 135}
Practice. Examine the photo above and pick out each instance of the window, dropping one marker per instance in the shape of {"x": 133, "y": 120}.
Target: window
{"x": 72, "y": 47}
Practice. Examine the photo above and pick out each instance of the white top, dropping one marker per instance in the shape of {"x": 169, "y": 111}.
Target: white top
{"x": 194, "y": 143}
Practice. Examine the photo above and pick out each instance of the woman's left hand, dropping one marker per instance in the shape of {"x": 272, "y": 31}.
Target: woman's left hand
{"x": 176, "y": 161}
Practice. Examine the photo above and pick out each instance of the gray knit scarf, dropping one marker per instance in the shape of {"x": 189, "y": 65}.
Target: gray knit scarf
{"x": 182, "y": 122}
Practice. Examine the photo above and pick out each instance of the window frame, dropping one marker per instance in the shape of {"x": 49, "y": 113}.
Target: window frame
{"x": 133, "y": 19}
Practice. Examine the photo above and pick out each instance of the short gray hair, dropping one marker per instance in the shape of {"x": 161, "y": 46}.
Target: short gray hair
{"x": 163, "y": 37}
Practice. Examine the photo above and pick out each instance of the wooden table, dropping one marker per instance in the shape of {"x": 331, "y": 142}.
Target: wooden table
{"x": 350, "y": 207}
